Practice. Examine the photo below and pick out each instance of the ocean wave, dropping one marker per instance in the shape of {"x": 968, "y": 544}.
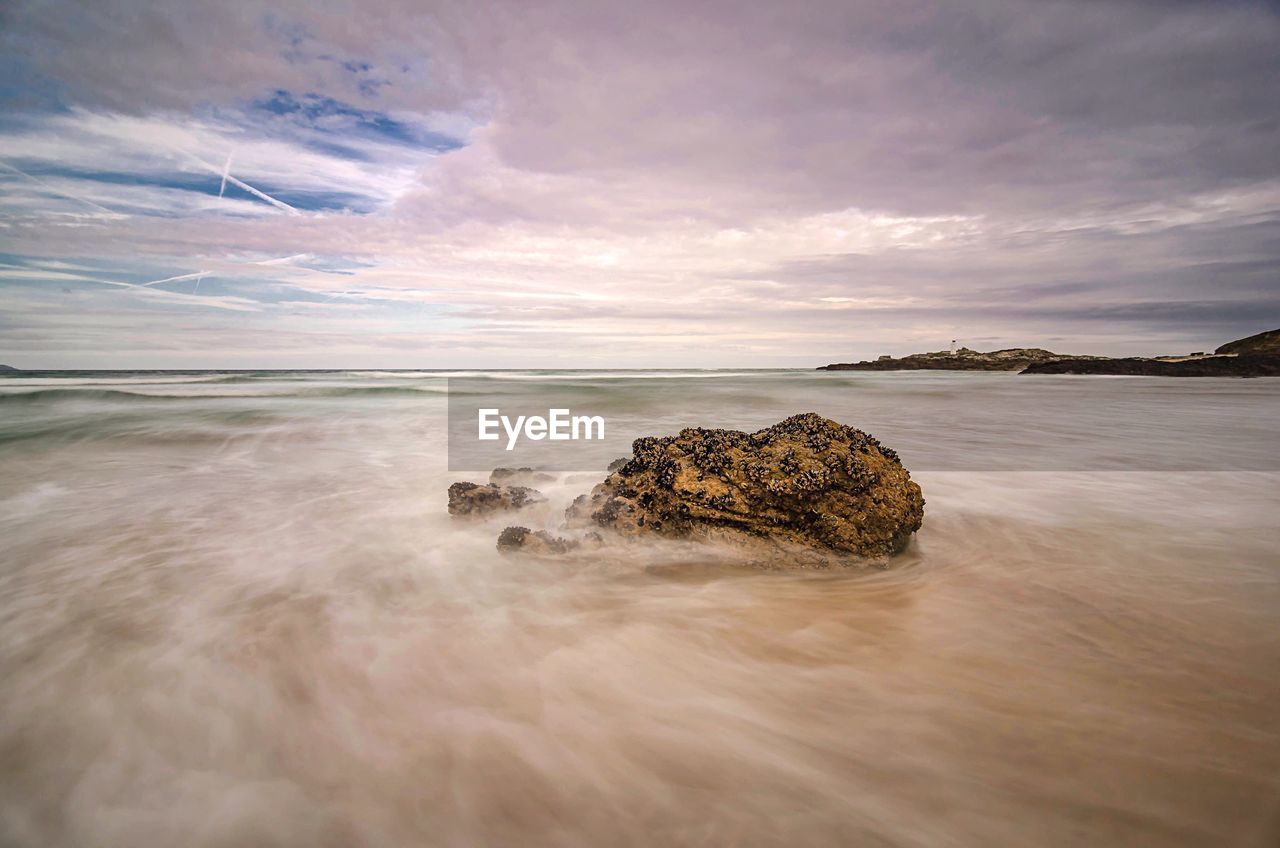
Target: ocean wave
{"x": 58, "y": 395}
{"x": 617, "y": 375}
{"x": 176, "y": 380}
{"x": 406, "y": 375}
{"x": 359, "y": 391}
{"x": 142, "y": 424}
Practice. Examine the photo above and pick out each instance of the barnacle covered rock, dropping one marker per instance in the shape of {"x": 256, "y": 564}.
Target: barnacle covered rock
{"x": 477, "y": 499}
{"x": 806, "y": 483}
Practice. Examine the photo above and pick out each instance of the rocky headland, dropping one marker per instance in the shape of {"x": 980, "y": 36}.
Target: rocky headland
{"x": 1255, "y": 356}
{"x": 964, "y": 359}
{"x": 806, "y": 492}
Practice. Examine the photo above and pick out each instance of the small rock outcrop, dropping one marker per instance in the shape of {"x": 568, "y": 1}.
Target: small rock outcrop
{"x": 519, "y": 477}
{"x": 534, "y": 541}
{"x": 478, "y": 499}
{"x": 524, "y": 540}
{"x": 804, "y": 484}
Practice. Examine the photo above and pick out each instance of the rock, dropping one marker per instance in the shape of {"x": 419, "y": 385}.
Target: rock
{"x": 519, "y": 477}
{"x": 536, "y": 542}
{"x": 618, "y": 463}
{"x": 477, "y": 499}
{"x": 524, "y": 540}
{"x": 806, "y": 483}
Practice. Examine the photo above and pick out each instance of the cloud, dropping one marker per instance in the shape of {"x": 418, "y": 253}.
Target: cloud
{"x": 716, "y": 183}
{"x": 145, "y": 165}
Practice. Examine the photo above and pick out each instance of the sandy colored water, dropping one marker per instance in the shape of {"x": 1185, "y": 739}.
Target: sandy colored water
{"x": 252, "y": 623}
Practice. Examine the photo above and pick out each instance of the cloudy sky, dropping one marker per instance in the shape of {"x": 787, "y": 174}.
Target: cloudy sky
{"x": 401, "y": 183}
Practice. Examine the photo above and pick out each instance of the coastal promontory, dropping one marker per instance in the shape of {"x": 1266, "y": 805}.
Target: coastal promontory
{"x": 1253, "y": 356}
{"x": 963, "y": 359}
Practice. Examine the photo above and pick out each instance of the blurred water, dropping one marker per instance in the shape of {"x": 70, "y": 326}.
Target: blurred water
{"x": 935, "y": 420}
{"x": 234, "y": 611}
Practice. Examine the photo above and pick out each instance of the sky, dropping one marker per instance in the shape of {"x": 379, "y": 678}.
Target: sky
{"x": 409, "y": 184}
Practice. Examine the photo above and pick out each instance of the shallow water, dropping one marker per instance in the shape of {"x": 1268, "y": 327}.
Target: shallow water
{"x": 233, "y": 611}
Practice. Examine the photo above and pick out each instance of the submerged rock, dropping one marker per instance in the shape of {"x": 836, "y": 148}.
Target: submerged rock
{"x": 806, "y": 483}
{"x": 540, "y": 541}
{"x": 519, "y": 477}
{"x": 478, "y": 499}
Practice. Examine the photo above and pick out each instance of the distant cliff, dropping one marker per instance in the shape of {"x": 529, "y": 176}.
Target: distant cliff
{"x": 964, "y": 359}
{"x": 8, "y": 368}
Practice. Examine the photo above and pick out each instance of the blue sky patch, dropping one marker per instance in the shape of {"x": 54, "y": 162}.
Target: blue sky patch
{"x": 347, "y": 124}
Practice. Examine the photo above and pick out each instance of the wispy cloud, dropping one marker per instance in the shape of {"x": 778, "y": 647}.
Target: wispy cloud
{"x": 60, "y": 192}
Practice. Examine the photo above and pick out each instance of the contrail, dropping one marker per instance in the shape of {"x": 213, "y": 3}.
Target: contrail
{"x": 279, "y": 204}
{"x": 198, "y": 275}
{"x": 226, "y": 172}
{"x": 283, "y": 260}
{"x": 60, "y": 192}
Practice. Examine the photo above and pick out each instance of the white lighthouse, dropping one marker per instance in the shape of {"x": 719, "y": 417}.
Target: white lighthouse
{"x": 953, "y": 347}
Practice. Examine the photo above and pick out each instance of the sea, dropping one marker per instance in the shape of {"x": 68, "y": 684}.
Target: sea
{"x": 234, "y": 611}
